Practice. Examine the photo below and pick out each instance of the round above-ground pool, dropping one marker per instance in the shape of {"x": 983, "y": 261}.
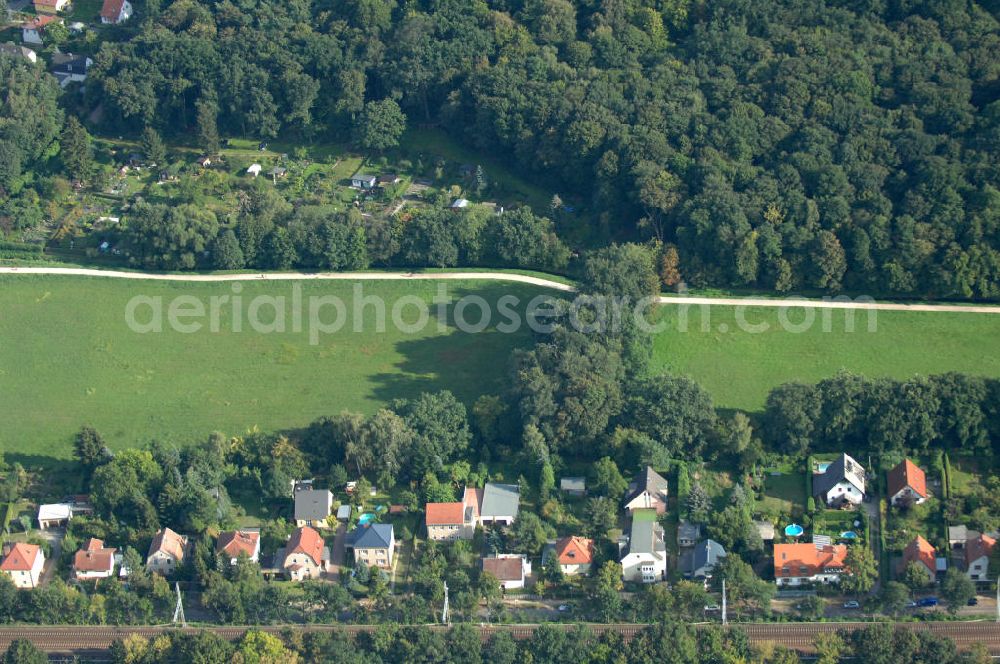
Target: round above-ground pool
{"x": 794, "y": 530}
{"x": 365, "y": 519}
{"x": 849, "y": 534}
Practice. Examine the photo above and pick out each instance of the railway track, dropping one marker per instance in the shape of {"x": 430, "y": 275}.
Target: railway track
{"x": 65, "y": 639}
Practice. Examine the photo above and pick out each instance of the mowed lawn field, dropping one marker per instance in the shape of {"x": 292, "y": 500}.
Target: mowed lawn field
{"x": 739, "y": 367}
{"x": 67, "y": 358}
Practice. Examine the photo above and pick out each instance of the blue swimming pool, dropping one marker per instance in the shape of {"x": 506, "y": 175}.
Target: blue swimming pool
{"x": 849, "y": 534}
{"x": 365, "y": 519}
{"x": 822, "y": 466}
{"x": 794, "y": 530}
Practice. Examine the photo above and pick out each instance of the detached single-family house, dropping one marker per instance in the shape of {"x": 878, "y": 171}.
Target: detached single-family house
{"x": 688, "y": 534}
{"x": 700, "y": 562}
{"x": 921, "y": 552}
{"x": 842, "y": 483}
{"x": 234, "y": 542}
{"x": 23, "y": 563}
{"x": 205, "y": 161}
{"x": 254, "y": 169}
{"x": 305, "y": 556}
{"x": 69, "y": 68}
{"x": 648, "y": 491}
{"x": 312, "y": 507}
{"x": 33, "y": 31}
{"x": 958, "y": 536}
{"x": 363, "y": 181}
{"x": 645, "y": 558}
{"x": 373, "y": 544}
{"x": 114, "y": 12}
{"x": 16, "y": 51}
{"x": 94, "y": 561}
{"x": 450, "y": 521}
{"x": 907, "y": 485}
{"x": 574, "y": 486}
{"x": 977, "y": 557}
{"x": 510, "y": 569}
{"x": 51, "y": 6}
{"x": 54, "y": 515}
{"x": 808, "y": 562}
{"x": 575, "y": 554}
{"x": 498, "y": 503}
{"x": 166, "y": 552}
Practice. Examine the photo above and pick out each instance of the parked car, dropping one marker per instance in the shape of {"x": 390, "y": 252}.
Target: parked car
{"x": 564, "y": 607}
{"x": 972, "y": 601}
{"x": 852, "y": 604}
{"x": 713, "y": 607}
{"x": 928, "y": 601}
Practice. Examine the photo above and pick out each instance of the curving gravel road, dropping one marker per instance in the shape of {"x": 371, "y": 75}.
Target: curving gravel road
{"x": 791, "y": 302}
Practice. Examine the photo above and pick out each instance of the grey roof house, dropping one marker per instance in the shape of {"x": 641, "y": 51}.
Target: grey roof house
{"x": 700, "y": 562}
{"x": 500, "y": 503}
{"x": 645, "y": 559}
{"x": 575, "y": 486}
{"x": 648, "y": 490}
{"x": 373, "y": 544}
{"x": 312, "y": 507}
{"x": 69, "y": 68}
{"x": 843, "y": 482}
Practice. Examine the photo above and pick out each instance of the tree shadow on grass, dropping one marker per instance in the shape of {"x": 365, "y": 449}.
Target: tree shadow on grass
{"x": 467, "y": 363}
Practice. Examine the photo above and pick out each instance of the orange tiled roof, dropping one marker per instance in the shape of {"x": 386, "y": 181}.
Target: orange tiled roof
{"x": 920, "y": 551}
{"x": 111, "y": 9}
{"x": 814, "y": 559}
{"x": 907, "y": 474}
{"x": 306, "y": 540}
{"x": 40, "y": 22}
{"x": 979, "y": 547}
{"x": 445, "y": 514}
{"x": 473, "y": 498}
{"x": 575, "y": 551}
{"x": 234, "y": 542}
{"x": 94, "y": 557}
{"x": 168, "y": 542}
{"x": 20, "y": 558}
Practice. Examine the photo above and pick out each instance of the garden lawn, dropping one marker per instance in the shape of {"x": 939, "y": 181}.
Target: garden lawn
{"x": 67, "y": 358}
{"x": 739, "y": 368}
{"x": 785, "y": 492}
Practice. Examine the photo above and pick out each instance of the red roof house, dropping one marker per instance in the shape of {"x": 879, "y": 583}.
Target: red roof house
{"x": 921, "y": 552}
{"x": 907, "y": 484}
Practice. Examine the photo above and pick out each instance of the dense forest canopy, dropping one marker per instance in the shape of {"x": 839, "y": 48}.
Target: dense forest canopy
{"x": 777, "y": 144}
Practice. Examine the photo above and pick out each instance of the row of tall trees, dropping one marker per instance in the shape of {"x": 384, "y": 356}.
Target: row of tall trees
{"x": 666, "y": 641}
{"x": 265, "y": 232}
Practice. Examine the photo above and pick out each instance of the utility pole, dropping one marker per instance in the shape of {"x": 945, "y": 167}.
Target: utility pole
{"x": 725, "y": 620}
{"x": 444, "y": 613}
{"x": 179, "y": 609}
{"x": 998, "y": 599}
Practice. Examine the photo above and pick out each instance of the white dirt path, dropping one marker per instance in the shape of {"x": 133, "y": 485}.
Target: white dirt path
{"x": 508, "y": 277}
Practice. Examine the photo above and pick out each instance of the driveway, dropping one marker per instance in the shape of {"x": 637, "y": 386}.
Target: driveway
{"x": 54, "y": 536}
{"x": 337, "y": 551}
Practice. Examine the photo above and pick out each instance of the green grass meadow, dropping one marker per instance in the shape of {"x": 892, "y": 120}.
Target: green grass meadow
{"x": 67, "y": 358}
{"x": 740, "y": 367}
